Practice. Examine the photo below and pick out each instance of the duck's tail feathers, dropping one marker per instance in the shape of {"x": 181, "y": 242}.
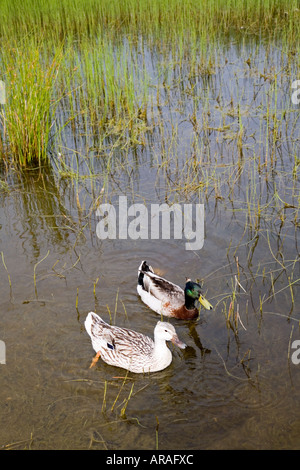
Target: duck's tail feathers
{"x": 144, "y": 268}
{"x": 91, "y": 320}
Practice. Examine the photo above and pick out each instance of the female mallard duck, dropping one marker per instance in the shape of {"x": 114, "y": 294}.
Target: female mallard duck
{"x": 166, "y": 298}
{"x": 131, "y": 350}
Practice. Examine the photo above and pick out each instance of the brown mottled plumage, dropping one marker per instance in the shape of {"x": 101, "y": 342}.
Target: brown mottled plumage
{"x": 129, "y": 349}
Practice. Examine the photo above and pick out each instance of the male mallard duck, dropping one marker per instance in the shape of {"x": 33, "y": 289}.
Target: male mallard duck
{"x": 166, "y": 298}
{"x": 131, "y": 350}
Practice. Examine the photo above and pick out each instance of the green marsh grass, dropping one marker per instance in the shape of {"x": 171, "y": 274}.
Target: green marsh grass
{"x": 83, "y": 63}
{"x": 106, "y": 91}
{"x": 28, "y": 116}
{"x": 89, "y": 17}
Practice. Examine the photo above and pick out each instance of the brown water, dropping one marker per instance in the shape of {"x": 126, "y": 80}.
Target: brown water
{"x": 229, "y": 389}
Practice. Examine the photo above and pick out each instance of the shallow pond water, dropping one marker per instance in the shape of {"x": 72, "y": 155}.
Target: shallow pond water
{"x": 235, "y": 386}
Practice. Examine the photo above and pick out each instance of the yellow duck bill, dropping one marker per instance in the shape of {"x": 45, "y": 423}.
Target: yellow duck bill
{"x": 205, "y": 303}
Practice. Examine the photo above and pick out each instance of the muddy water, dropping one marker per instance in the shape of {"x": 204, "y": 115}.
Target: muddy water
{"x": 234, "y": 387}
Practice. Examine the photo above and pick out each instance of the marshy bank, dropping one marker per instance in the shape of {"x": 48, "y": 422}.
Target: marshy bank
{"x": 161, "y": 102}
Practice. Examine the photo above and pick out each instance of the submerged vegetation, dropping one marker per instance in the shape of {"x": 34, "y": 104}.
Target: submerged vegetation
{"x": 164, "y": 101}
{"x": 110, "y": 67}
{"x": 198, "y": 91}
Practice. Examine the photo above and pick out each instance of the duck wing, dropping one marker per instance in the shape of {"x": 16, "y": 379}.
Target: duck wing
{"x": 116, "y": 340}
{"x": 163, "y": 289}
{"x": 99, "y": 331}
{"x": 131, "y": 343}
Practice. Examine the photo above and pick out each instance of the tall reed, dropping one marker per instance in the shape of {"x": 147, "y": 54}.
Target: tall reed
{"x": 57, "y": 18}
{"x": 28, "y": 115}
